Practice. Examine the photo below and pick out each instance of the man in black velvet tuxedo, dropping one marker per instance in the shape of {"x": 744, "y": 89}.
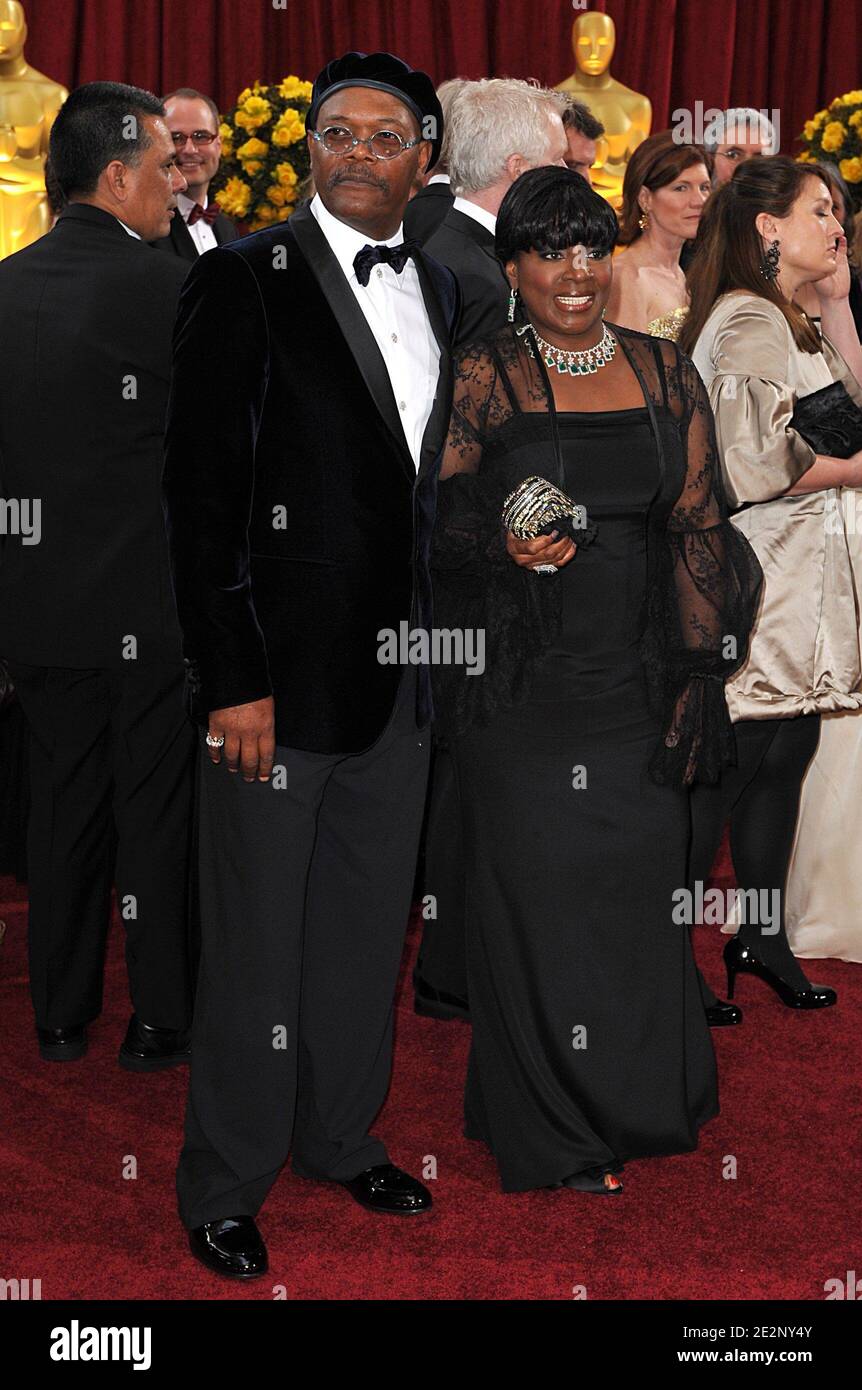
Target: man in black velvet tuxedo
{"x": 87, "y": 620}
{"x": 309, "y": 406}
{"x": 193, "y": 121}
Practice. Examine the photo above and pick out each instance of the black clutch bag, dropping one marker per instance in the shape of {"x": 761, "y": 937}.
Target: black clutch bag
{"x": 830, "y": 421}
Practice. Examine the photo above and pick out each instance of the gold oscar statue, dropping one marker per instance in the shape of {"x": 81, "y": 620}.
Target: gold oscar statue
{"x": 625, "y": 115}
{"x": 29, "y": 101}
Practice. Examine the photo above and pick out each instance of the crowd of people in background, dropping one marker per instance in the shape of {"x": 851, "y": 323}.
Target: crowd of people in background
{"x": 698, "y": 656}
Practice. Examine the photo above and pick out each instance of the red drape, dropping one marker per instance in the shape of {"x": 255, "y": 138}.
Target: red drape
{"x": 774, "y": 54}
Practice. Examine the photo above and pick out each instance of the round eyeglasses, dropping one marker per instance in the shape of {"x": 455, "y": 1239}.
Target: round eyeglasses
{"x": 383, "y": 144}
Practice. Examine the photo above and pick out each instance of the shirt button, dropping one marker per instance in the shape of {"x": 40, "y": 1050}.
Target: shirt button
{"x": 379, "y": 273}
{"x": 402, "y": 405}
{"x": 395, "y": 337}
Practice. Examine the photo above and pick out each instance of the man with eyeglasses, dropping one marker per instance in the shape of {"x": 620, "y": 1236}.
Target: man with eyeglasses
{"x": 310, "y": 403}
{"x": 193, "y": 121}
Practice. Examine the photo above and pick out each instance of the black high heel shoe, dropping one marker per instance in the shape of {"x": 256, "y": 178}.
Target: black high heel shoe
{"x": 739, "y": 959}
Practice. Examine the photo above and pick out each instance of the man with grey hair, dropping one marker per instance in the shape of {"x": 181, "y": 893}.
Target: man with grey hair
{"x": 498, "y": 128}
{"x": 739, "y": 133}
{"x": 429, "y": 206}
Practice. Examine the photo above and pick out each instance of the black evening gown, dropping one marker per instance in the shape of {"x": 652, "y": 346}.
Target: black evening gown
{"x": 590, "y": 1045}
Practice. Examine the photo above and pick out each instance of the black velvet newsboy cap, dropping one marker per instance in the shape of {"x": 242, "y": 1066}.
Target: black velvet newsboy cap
{"x": 388, "y": 74}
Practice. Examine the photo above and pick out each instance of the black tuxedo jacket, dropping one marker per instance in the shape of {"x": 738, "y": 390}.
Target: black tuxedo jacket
{"x": 179, "y": 240}
{"x": 467, "y": 248}
{"x": 86, "y": 317}
{"x": 426, "y": 211}
{"x": 298, "y": 526}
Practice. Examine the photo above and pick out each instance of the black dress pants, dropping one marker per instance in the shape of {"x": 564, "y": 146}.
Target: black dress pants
{"x": 760, "y": 796}
{"x": 111, "y": 775}
{"x": 305, "y": 888}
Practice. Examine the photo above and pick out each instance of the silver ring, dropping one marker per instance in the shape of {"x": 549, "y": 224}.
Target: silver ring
{"x": 215, "y": 742}
{"x": 544, "y": 569}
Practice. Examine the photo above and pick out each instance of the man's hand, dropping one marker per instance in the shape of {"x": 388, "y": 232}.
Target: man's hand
{"x": 543, "y": 550}
{"x": 249, "y": 738}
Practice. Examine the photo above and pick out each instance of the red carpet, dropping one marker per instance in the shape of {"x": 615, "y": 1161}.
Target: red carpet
{"x": 790, "y": 1112}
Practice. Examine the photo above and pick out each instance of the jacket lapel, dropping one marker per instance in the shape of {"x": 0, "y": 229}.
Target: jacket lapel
{"x": 182, "y": 238}
{"x": 352, "y": 322}
{"x": 438, "y": 421}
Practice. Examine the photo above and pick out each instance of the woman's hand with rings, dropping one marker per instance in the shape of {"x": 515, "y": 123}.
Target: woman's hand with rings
{"x": 541, "y": 550}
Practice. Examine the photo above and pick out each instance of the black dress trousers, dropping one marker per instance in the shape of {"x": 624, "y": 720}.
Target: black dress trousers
{"x": 305, "y": 887}
{"x": 111, "y": 779}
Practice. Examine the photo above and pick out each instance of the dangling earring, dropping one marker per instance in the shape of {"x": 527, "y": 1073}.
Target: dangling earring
{"x": 769, "y": 264}
{"x": 513, "y": 298}
{"x": 643, "y": 221}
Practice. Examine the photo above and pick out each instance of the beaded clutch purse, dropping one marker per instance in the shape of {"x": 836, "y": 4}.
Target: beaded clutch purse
{"x": 537, "y": 507}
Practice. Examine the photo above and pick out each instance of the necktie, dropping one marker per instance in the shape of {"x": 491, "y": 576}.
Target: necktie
{"x": 209, "y": 214}
{"x": 396, "y": 256}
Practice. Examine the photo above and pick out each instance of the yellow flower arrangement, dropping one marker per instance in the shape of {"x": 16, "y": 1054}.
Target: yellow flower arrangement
{"x": 834, "y": 135}
{"x": 265, "y": 162}
{"x": 852, "y": 169}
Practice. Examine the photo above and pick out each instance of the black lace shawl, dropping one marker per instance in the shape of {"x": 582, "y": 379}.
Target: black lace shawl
{"x": 703, "y": 576}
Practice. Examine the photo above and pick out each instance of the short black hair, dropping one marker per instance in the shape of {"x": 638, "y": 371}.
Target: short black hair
{"x": 550, "y": 209}
{"x": 578, "y": 116}
{"x": 92, "y": 128}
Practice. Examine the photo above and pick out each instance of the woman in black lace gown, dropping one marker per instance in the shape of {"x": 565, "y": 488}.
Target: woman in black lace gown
{"x": 602, "y": 699}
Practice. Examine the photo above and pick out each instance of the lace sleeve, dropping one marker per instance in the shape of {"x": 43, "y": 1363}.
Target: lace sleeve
{"x": 703, "y": 608}
{"x": 477, "y": 586}
{"x": 468, "y": 533}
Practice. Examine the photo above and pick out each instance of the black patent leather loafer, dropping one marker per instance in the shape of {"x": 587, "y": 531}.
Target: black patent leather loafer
{"x": 151, "y": 1049}
{"x": 387, "y": 1189}
{"x": 233, "y": 1247}
{"x": 721, "y": 1015}
{"x": 62, "y": 1044}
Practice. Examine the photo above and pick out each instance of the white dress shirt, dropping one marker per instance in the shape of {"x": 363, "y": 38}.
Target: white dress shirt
{"x": 487, "y": 219}
{"x": 136, "y": 235}
{"x": 394, "y": 308}
{"x": 201, "y": 233}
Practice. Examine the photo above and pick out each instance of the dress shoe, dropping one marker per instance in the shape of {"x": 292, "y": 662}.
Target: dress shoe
{"x": 62, "y": 1044}
{"x": 436, "y": 1003}
{"x": 720, "y": 1015}
{"x": 386, "y": 1188}
{"x": 232, "y": 1246}
{"x": 740, "y": 959}
{"x": 151, "y": 1049}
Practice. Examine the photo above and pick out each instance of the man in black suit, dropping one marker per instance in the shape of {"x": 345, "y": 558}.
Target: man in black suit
{"x": 309, "y": 406}
{"x": 87, "y": 620}
{"x": 193, "y": 121}
{"x": 498, "y": 128}
{"x": 429, "y": 206}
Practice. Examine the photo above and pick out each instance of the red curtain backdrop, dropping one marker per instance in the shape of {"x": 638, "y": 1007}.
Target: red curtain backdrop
{"x": 782, "y": 54}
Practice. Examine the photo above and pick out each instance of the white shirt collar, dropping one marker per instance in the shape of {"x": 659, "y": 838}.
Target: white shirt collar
{"x": 343, "y": 239}
{"x": 186, "y": 204}
{"x": 438, "y": 178}
{"x": 487, "y": 219}
{"x": 136, "y": 235}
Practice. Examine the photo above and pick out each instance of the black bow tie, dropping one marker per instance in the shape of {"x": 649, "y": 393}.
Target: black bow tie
{"x": 396, "y": 256}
